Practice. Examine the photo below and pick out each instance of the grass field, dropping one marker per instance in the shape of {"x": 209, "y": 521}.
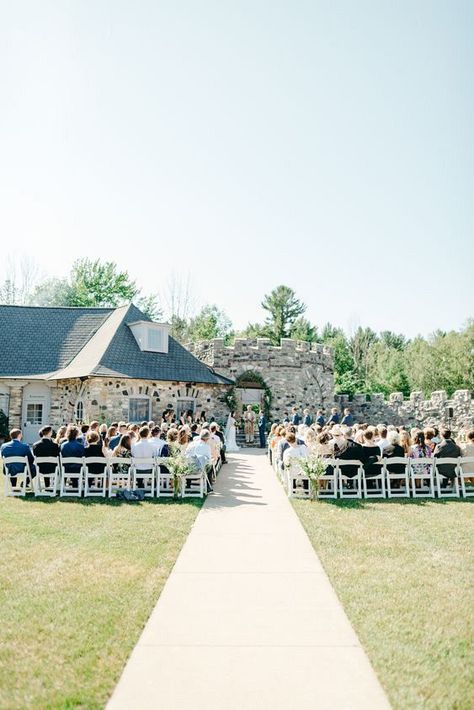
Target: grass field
{"x": 78, "y": 579}
{"x": 404, "y": 572}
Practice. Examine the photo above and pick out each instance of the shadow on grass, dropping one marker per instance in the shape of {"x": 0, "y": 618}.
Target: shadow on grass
{"x": 113, "y": 502}
{"x": 367, "y": 503}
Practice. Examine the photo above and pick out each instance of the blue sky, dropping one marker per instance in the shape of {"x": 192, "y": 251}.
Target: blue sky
{"x": 325, "y": 145}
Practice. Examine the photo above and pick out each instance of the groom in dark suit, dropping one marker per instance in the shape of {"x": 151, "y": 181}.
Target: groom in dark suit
{"x": 262, "y": 426}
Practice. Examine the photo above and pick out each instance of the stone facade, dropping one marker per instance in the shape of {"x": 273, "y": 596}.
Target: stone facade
{"x": 295, "y": 372}
{"x": 457, "y": 412}
{"x": 107, "y": 399}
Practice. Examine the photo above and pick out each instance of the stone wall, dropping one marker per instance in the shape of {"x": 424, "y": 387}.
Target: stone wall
{"x": 296, "y": 372}
{"x": 456, "y": 412}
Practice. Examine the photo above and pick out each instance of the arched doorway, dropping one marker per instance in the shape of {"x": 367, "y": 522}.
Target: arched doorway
{"x": 250, "y": 389}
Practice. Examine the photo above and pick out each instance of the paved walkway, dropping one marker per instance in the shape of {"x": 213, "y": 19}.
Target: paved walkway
{"x": 248, "y": 618}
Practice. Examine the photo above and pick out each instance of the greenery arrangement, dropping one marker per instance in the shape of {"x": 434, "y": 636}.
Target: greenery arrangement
{"x": 254, "y": 377}
{"x": 313, "y": 467}
{"x": 179, "y": 467}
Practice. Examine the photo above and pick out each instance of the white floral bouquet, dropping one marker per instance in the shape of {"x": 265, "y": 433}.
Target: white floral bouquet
{"x": 313, "y": 468}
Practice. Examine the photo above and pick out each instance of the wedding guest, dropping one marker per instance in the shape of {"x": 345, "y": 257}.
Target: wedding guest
{"x": 83, "y": 435}
{"x": 115, "y": 440}
{"x": 95, "y": 448}
{"x": 214, "y": 442}
{"x": 394, "y": 450}
{"x": 371, "y": 454}
{"x": 72, "y": 448}
{"x": 157, "y": 442}
{"x": 307, "y": 418}
{"x": 293, "y": 450}
{"x": 382, "y": 441}
{"x": 46, "y": 447}
{"x": 142, "y": 449}
{"x": 194, "y": 431}
{"x": 61, "y": 435}
{"x": 123, "y": 449}
{"x": 184, "y": 437}
{"x": 429, "y": 436}
{"x": 221, "y": 436}
{"x": 103, "y": 431}
{"x": 94, "y": 426}
{"x": 295, "y": 416}
{"x": 447, "y": 449}
{"x": 405, "y": 442}
{"x": 200, "y": 448}
{"x": 111, "y": 433}
{"x": 16, "y": 447}
{"x": 322, "y": 446}
{"x": 467, "y": 451}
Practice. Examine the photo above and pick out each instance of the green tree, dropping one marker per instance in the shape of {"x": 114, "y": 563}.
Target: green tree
{"x": 386, "y": 369}
{"x": 210, "y": 322}
{"x": 283, "y": 308}
{"x": 150, "y": 306}
{"x": 303, "y": 330}
{"x": 52, "y": 292}
{"x": 95, "y": 283}
{"x": 360, "y": 345}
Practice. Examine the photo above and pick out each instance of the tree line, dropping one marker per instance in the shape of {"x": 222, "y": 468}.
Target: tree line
{"x": 364, "y": 361}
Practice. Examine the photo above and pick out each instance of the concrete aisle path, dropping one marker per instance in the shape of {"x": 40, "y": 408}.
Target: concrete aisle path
{"x": 248, "y": 618}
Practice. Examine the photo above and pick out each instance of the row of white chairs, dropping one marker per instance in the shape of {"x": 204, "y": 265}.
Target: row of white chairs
{"x": 118, "y": 474}
{"x": 420, "y": 478}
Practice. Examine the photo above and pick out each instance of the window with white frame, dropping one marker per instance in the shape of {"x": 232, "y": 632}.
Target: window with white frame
{"x": 138, "y": 409}
{"x": 151, "y": 337}
{"x": 4, "y": 403}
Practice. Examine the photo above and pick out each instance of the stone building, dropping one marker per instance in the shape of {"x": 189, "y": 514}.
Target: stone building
{"x": 59, "y": 365}
{"x": 293, "y": 373}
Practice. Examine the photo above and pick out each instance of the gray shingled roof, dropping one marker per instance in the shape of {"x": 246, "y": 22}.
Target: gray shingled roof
{"x": 81, "y": 342}
{"x": 36, "y": 341}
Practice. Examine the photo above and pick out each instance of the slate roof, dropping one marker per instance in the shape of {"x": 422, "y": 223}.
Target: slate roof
{"x": 58, "y": 343}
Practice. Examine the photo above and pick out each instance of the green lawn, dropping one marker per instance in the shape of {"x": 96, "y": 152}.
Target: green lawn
{"x": 404, "y": 572}
{"x": 78, "y": 579}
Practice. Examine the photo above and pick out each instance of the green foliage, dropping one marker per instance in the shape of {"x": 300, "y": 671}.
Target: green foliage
{"x": 96, "y": 283}
{"x": 52, "y": 292}
{"x": 150, "y": 306}
{"x": 210, "y": 322}
{"x": 303, "y": 330}
{"x": 250, "y": 376}
{"x": 283, "y": 308}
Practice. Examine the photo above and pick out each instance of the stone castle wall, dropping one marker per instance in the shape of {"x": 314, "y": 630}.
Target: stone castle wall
{"x": 296, "y": 372}
{"x": 456, "y": 412}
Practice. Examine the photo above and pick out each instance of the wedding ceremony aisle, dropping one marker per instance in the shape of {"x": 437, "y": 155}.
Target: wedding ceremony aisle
{"x": 248, "y": 618}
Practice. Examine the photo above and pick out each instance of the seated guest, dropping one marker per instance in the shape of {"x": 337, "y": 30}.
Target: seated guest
{"x": 143, "y": 449}
{"x": 61, "y": 435}
{"x": 429, "y": 436}
{"x": 123, "y": 450}
{"x": 200, "y": 449}
{"x": 83, "y": 435}
{"x": 95, "y": 448}
{"x": 393, "y": 450}
{"x": 382, "y": 440}
{"x": 72, "y": 448}
{"x": 447, "y": 449}
{"x": 348, "y": 418}
{"x": 194, "y": 431}
{"x": 103, "y": 431}
{"x": 214, "y": 443}
{"x": 322, "y": 446}
{"x": 334, "y": 418}
{"x": 221, "y": 436}
{"x": 156, "y": 440}
{"x": 405, "y": 442}
{"x": 371, "y": 454}
{"x": 46, "y": 447}
{"x": 294, "y": 450}
{"x": 352, "y": 451}
{"x": 94, "y": 426}
{"x": 319, "y": 418}
{"x": 115, "y": 439}
{"x": 16, "y": 447}
{"x": 467, "y": 451}
{"x": 184, "y": 437}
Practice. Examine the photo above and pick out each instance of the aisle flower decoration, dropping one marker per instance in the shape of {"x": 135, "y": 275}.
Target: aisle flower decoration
{"x": 313, "y": 467}
{"x": 179, "y": 467}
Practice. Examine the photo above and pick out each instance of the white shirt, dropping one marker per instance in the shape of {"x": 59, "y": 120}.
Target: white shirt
{"x": 157, "y": 444}
{"x": 143, "y": 449}
{"x": 382, "y": 444}
{"x": 200, "y": 448}
{"x": 294, "y": 452}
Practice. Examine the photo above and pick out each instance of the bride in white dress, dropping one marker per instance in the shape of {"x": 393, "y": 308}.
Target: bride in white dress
{"x": 230, "y": 435}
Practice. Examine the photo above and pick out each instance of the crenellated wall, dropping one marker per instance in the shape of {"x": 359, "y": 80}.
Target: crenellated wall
{"x": 296, "y": 372}
{"x": 456, "y": 412}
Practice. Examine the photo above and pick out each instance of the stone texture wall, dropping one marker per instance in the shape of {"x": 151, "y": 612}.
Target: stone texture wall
{"x": 106, "y": 399}
{"x": 296, "y": 373}
{"x": 456, "y": 412}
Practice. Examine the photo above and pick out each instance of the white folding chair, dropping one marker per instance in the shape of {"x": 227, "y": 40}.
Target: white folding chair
{"x": 467, "y": 463}
{"x": 47, "y": 484}
{"x": 423, "y": 471}
{"x": 298, "y": 484}
{"x": 164, "y": 479}
{"x": 403, "y": 490}
{"x": 72, "y": 482}
{"x": 350, "y": 486}
{"x": 378, "y": 489}
{"x": 146, "y": 474}
{"x": 97, "y": 486}
{"x": 22, "y": 480}
{"x": 448, "y": 491}
{"x": 329, "y": 480}
{"x": 194, "y": 484}
{"x": 119, "y": 474}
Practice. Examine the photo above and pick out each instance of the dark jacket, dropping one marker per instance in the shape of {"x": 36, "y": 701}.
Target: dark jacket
{"x": 334, "y": 419}
{"x": 72, "y": 449}
{"x": 17, "y": 448}
{"x": 262, "y": 421}
{"x": 348, "y": 419}
{"x": 447, "y": 449}
{"x": 371, "y": 456}
{"x": 320, "y": 420}
{"x": 308, "y": 420}
{"x": 394, "y": 451}
{"x": 46, "y": 447}
{"x": 115, "y": 441}
{"x": 296, "y": 419}
{"x": 353, "y": 452}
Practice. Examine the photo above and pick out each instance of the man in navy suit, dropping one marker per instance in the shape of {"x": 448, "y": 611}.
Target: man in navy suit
{"x": 16, "y": 447}
{"x": 262, "y": 426}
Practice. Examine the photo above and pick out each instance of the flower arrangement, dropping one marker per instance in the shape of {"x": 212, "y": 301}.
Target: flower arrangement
{"x": 313, "y": 467}
{"x": 179, "y": 467}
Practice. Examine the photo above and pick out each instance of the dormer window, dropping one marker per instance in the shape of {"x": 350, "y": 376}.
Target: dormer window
{"x": 151, "y": 337}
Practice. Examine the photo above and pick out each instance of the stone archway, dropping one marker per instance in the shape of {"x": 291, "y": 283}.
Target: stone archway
{"x": 250, "y": 388}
